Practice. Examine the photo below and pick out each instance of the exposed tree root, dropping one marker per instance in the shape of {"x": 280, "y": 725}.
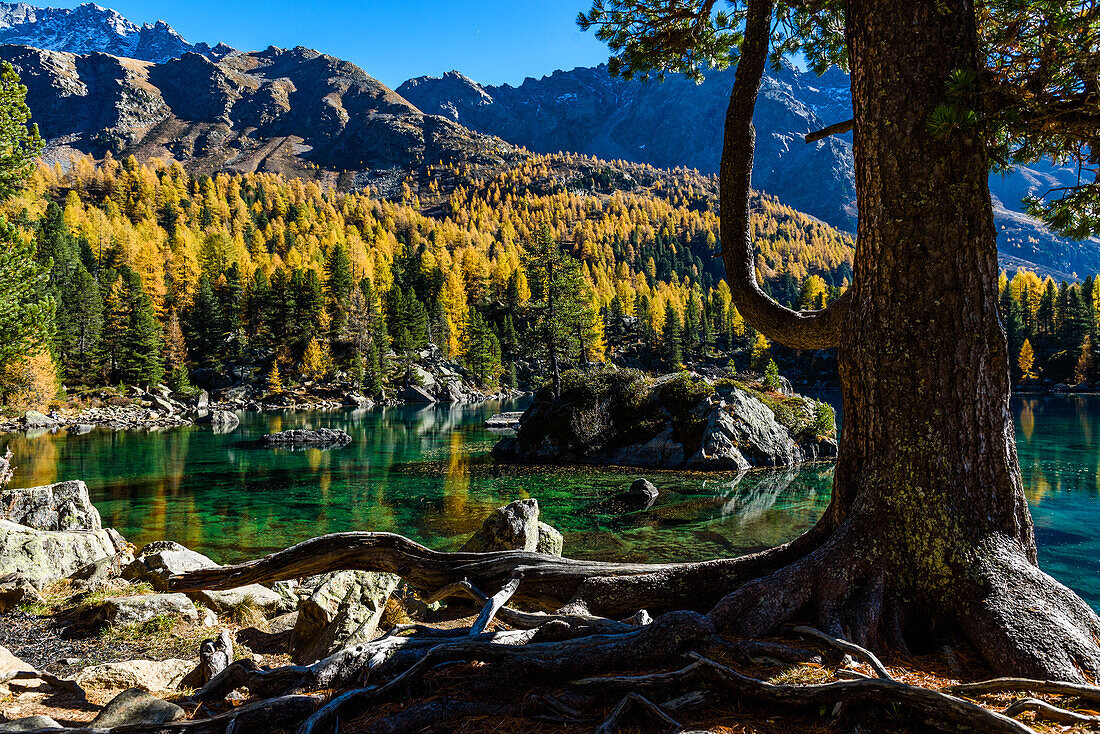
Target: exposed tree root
{"x": 431, "y": 713}
{"x": 267, "y": 715}
{"x": 552, "y": 583}
{"x": 1026, "y": 623}
{"x": 825, "y": 578}
{"x": 636, "y": 702}
{"x": 1002, "y": 685}
{"x": 1050, "y": 712}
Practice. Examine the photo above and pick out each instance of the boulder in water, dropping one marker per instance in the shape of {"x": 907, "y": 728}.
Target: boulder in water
{"x": 305, "y": 437}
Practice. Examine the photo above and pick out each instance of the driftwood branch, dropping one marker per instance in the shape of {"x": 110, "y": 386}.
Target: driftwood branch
{"x": 494, "y": 603}
{"x": 1050, "y": 712}
{"x": 1002, "y": 685}
{"x": 531, "y": 620}
{"x": 550, "y": 581}
{"x": 837, "y": 128}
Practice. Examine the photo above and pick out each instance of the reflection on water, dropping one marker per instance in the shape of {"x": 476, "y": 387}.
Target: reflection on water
{"x": 424, "y": 472}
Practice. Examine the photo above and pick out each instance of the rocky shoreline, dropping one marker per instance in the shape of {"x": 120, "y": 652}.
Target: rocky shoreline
{"x": 91, "y": 635}
{"x": 159, "y": 408}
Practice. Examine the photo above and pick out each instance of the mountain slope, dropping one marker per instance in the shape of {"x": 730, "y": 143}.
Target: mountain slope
{"x": 292, "y": 111}
{"x": 89, "y": 28}
{"x": 679, "y": 123}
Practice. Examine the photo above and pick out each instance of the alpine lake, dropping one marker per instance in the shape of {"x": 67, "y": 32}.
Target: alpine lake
{"x": 425, "y": 472}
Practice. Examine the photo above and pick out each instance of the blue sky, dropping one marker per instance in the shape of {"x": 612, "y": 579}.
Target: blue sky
{"x": 491, "y": 41}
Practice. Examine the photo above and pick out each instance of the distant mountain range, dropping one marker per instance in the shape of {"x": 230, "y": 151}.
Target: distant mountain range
{"x": 98, "y": 82}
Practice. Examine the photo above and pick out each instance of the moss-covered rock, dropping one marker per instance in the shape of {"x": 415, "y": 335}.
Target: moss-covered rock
{"x": 610, "y": 416}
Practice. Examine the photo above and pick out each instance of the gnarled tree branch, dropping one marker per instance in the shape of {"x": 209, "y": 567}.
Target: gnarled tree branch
{"x": 795, "y": 329}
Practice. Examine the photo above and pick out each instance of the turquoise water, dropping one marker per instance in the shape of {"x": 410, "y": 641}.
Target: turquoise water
{"x": 425, "y": 473}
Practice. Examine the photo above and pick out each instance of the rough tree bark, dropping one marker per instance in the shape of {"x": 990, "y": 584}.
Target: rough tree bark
{"x": 928, "y": 528}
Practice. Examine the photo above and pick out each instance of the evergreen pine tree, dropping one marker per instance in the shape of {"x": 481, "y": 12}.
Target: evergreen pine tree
{"x": 139, "y": 358}
{"x": 671, "y": 344}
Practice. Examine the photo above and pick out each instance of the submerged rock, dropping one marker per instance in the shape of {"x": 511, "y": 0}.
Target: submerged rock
{"x": 301, "y": 437}
{"x": 60, "y": 506}
{"x": 611, "y": 416}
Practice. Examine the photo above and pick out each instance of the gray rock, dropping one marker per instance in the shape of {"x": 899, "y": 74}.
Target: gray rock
{"x": 550, "y": 542}
{"x": 81, "y": 428}
{"x": 34, "y": 419}
{"x": 162, "y": 404}
{"x": 661, "y": 450}
{"x": 222, "y": 421}
{"x": 643, "y": 489}
{"x": 147, "y": 675}
{"x": 134, "y": 706}
{"x": 299, "y": 437}
{"x": 267, "y": 601}
{"x": 504, "y": 420}
{"x": 60, "y": 506}
{"x": 750, "y": 425}
{"x": 159, "y": 560}
{"x": 354, "y": 398}
{"x": 16, "y": 589}
{"x": 30, "y": 723}
{"x": 102, "y": 573}
{"x": 343, "y": 611}
{"x": 512, "y": 527}
{"x": 132, "y": 610}
{"x": 415, "y": 394}
{"x": 44, "y": 556}
{"x": 424, "y": 378}
{"x": 11, "y": 664}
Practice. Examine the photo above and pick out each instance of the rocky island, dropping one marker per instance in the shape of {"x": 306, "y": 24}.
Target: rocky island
{"x": 678, "y": 421}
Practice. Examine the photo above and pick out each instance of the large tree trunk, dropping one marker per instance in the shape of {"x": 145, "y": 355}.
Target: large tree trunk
{"x": 929, "y": 527}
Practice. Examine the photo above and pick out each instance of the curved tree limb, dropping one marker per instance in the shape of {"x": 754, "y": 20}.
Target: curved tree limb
{"x": 548, "y": 580}
{"x": 572, "y": 588}
{"x": 795, "y": 329}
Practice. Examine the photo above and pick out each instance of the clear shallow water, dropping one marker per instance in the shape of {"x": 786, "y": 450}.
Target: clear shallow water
{"x": 425, "y": 473}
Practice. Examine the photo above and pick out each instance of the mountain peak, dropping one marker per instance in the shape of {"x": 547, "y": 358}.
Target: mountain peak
{"x": 89, "y": 28}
